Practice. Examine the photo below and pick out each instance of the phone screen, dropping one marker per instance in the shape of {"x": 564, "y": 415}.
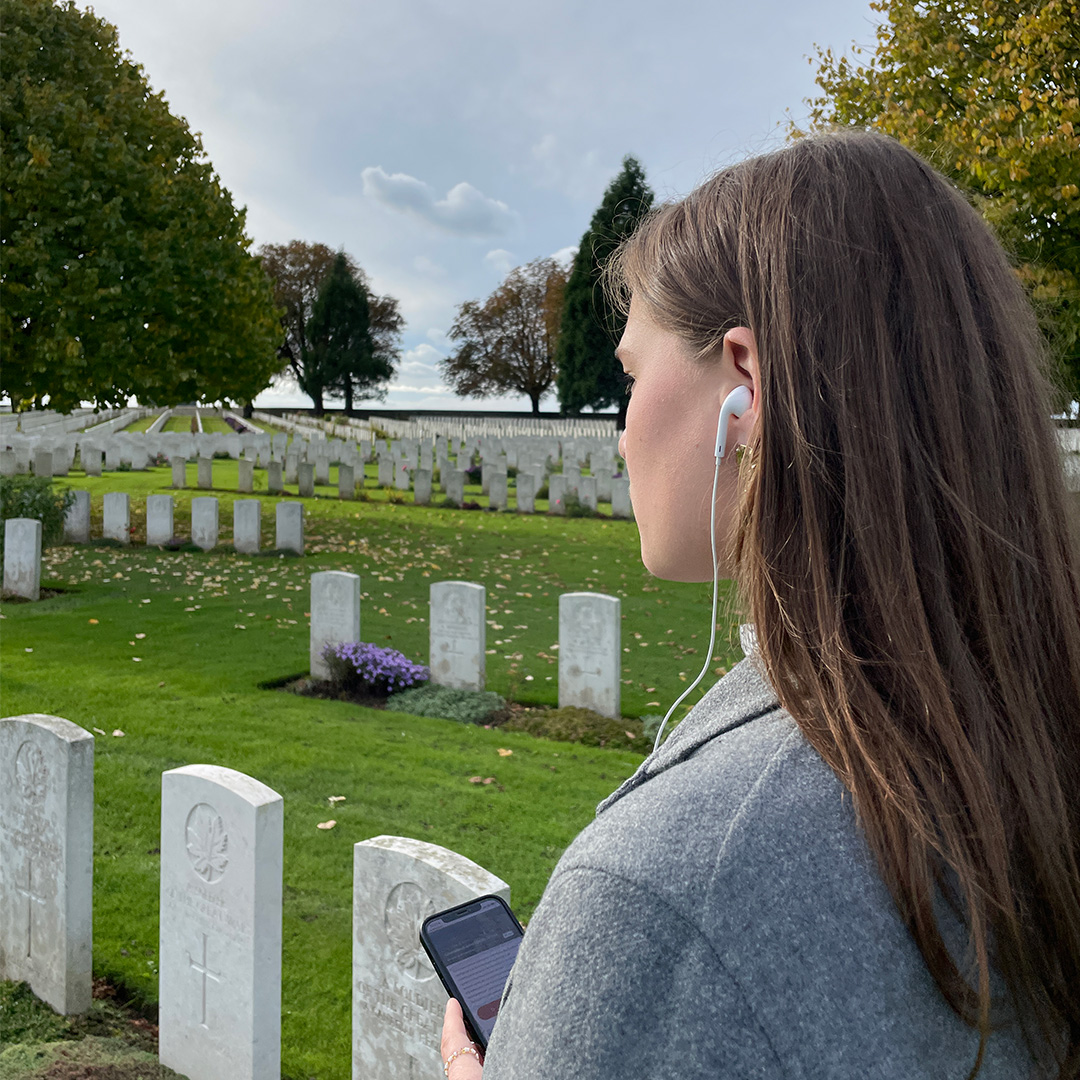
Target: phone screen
{"x": 472, "y": 947}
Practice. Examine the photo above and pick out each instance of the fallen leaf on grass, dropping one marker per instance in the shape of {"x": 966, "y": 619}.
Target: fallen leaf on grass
{"x": 139, "y": 637}
{"x": 92, "y": 622}
{"x": 488, "y": 780}
{"x": 326, "y": 824}
{"x": 137, "y": 659}
{"x": 476, "y": 779}
{"x": 117, "y": 734}
{"x": 331, "y": 799}
{"x": 504, "y": 753}
{"x": 99, "y": 731}
{"x": 631, "y": 735}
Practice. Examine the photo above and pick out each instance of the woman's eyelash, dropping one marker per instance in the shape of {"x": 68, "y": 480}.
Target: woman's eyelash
{"x": 628, "y": 382}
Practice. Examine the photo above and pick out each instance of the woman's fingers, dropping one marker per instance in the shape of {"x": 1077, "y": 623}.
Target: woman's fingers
{"x": 455, "y": 1039}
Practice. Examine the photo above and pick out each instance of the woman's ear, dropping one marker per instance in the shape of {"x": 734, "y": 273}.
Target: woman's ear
{"x": 739, "y": 363}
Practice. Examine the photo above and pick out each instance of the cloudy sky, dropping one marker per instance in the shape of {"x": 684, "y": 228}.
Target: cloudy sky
{"x": 443, "y": 142}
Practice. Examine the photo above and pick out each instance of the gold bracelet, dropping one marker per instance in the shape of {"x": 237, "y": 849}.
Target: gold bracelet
{"x": 470, "y": 1049}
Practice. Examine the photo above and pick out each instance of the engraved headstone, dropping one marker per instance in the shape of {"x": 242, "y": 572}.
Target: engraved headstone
{"x": 22, "y": 557}
{"x": 47, "y": 858}
{"x": 116, "y": 516}
{"x": 77, "y": 519}
{"x": 305, "y": 476}
{"x": 457, "y": 634}
{"x": 586, "y": 489}
{"x": 43, "y": 461}
{"x": 292, "y": 463}
{"x": 219, "y": 987}
{"x": 322, "y": 469}
{"x": 398, "y": 1001}
{"x": 275, "y": 484}
{"x": 159, "y": 519}
{"x": 335, "y": 614}
{"x": 91, "y": 458}
{"x": 179, "y": 472}
{"x": 401, "y": 476}
{"x": 422, "y": 487}
{"x": 556, "y": 494}
{"x": 112, "y": 457}
{"x": 454, "y": 483}
{"x": 206, "y": 473}
{"x": 245, "y": 476}
{"x": 346, "y": 482}
{"x": 9, "y": 463}
{"x": 247, "y": 526}
{"x": 386, "y": 470}
{"x": 204, "y": 522}
{"x": 590, "y": 651}
{"x": 526, "y": 492}
{"x": 497, "y": 490}
{"x": 620, "y": 498}
{"x": 289, "y": 527}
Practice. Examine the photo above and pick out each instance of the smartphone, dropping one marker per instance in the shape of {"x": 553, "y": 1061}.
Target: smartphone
{"x": 472, "y": 947}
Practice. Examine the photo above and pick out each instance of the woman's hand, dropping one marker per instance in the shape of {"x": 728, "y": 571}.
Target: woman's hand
{"x": 465, "y": 1065}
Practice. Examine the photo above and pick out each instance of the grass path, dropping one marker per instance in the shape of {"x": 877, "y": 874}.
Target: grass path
{"x": 170, "y": 648}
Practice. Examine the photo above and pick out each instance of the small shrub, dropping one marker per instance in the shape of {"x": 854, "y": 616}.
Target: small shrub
{"x": 575, "y": 508}
{"x": 371, "y": 669}
{"x": 125, "y": 466}
{"x": 222, "y": 455}
{"x": 159, "y": 460}
{"x": 464, "y": 706}
{"x": 28, "y": 496}
{"x": 542, "y": 491}
{"x": 572, "y": 724}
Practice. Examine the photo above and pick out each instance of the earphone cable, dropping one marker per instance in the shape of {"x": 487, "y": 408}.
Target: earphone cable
{"x": 715, "y": 585}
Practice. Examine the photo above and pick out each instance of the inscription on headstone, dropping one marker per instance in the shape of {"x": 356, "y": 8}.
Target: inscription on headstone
{"x": 590, "y": 642}
{"x": 335, "y": 614}
{"x": 204, "y": 522}
{"x": 457, "y": 634}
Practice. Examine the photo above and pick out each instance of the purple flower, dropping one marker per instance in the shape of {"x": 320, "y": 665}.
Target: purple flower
{"x": 371, "y": 668}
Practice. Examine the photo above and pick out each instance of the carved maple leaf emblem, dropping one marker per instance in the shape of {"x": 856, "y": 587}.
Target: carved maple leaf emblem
{"x": 30, "y": 772}
{"x": 207, "y": 842}
{"x": 406, "y": 909}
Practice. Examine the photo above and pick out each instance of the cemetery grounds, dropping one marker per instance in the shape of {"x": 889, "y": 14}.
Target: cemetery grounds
{"x": 164, "y": 655}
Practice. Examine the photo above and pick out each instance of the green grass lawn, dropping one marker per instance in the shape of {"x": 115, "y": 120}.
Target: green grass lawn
{"x": 142, "y": 423}
{"x": 170, "y": 648}
{"x": 181, "y": 424}
{"x": 215, "y": 425}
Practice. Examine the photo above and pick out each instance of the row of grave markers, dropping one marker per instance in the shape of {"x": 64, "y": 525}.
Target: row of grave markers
{"x": 590, "y": 637}
{"x": 220, "y": 936}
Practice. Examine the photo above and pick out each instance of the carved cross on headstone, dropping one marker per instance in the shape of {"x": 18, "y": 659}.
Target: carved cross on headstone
{"x": 204, "y": 970}
{"x": 31, "y": 899}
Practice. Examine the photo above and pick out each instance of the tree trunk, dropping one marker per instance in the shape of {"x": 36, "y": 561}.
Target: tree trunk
{"x": 535, "y": 399}
{"x": 349, "y": 398}
{"x": 249, "y": 408}
{"x": 317, "y": 402}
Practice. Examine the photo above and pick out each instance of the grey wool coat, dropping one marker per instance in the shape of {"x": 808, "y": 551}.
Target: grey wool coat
{"x": 723, "y": 917}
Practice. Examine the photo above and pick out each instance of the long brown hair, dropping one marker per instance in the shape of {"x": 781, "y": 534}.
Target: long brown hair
{"x": 904, "y": 542}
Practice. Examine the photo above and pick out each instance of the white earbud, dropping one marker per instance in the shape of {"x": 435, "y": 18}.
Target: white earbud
{"x": 735, "y": 404}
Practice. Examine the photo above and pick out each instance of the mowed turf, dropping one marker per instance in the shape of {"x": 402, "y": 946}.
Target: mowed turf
{"x": 170, "y": 648}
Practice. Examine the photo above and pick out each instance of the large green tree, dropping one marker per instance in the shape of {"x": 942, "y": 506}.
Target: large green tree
{"x": 339, "y": 333}
{"x": 298, "y": 270}
{"x": 124, "y": 268}
{"x": 987, "y": 91}
{"x": 589, "y": 375}
{"x": 507, "y": 342}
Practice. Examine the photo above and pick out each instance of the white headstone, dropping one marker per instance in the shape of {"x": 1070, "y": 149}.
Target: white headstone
{"x": 9, "y": 463}
{"x": 590, "y": 652}
{"x": 401, "y": 476}
{"x": 398, "y": 1001}
{"x": 335, "y": 614}
{"x": 306, "y": 479}
{"x": 77, "y": 519}
{"x": 245, "y": 476}
{"x": 275, "y": 484}
{"x": 556, "y": 493}
{"x": 291, "y": 466}
{"x": 90, "y": 456}
{"x": 497, "y": 489}
{"x": 457, "y": 634}
{"x": 179, "y": 472}
{"x": 43, "y": 461}
{"x": 219, "y": 989}
{"x": 526, "y": 492}
{"x": 386, "y": 471}
{"x": 116, "y": 517}
{"x": 289, "y": 531}
{"x": 204, "y": 522}
{"x": 422, "y": 487}
{"x": 620, "y": 498}
{"x": 159, "y": 519}
{"x": 247, "y": 526}
{"x": 206, "y": 473}
{"x": 346, "y": 482}
{"x": 47, "y": 858}
{"x": 454, "y": 484}
{"x": 322, "y": 469}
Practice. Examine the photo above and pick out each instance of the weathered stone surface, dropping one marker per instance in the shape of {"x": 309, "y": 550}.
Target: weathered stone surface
{"x": 590, "y": 652}
{"x": 245, "y": 476}
{"x": 206, "y": 473}
{"x": 335, "y": 614}
{"x": 556, "y": 494}
{"x": 77, "y": 519}
{"x": 497, "y": 490}
{"x": 620, "y": 498}
{"x": 305, "y": 478}
{"x": 526, "y": 492}
{"x": 289, "y": 521}
{"x": 116, "y": 516}
{"x": 159, "y": 519}
{"x": 204, "y": 522}
{"x": 43, "y": 461}
{"x": 179, "y": 472}
{"x": 398, "y": 1000}
{"x": 275, "y": 483}
{"x": 47, "y": 858}
{"x": 454, "y": 484}
{"x": 219, "y": 991}
{"x": 91, "y": 458}
{"x": 422, "y": 487}
{"x": 346, "y": 482}
{"x": 247, "y": 526}
{"x": 457, "y": 634}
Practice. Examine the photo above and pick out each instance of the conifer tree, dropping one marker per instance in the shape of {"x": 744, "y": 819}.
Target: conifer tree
{"x": 589, "y": 375}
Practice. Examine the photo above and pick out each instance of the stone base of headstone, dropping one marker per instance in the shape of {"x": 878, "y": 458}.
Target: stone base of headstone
{"x": 47, "y": 858}
{"x": 398, "y": 1001}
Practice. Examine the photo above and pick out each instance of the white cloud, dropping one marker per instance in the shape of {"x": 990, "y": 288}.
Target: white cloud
{"x": 438, "y": 336}
{"x": 565, "y": 256}
{"x": 424, "y": 265}
{"x": 501, "y": 260}
{"x": 465, "y": 211}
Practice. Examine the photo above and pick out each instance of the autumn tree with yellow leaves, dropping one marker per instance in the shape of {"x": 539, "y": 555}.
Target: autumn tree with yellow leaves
{"x": 986, "y": 90}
